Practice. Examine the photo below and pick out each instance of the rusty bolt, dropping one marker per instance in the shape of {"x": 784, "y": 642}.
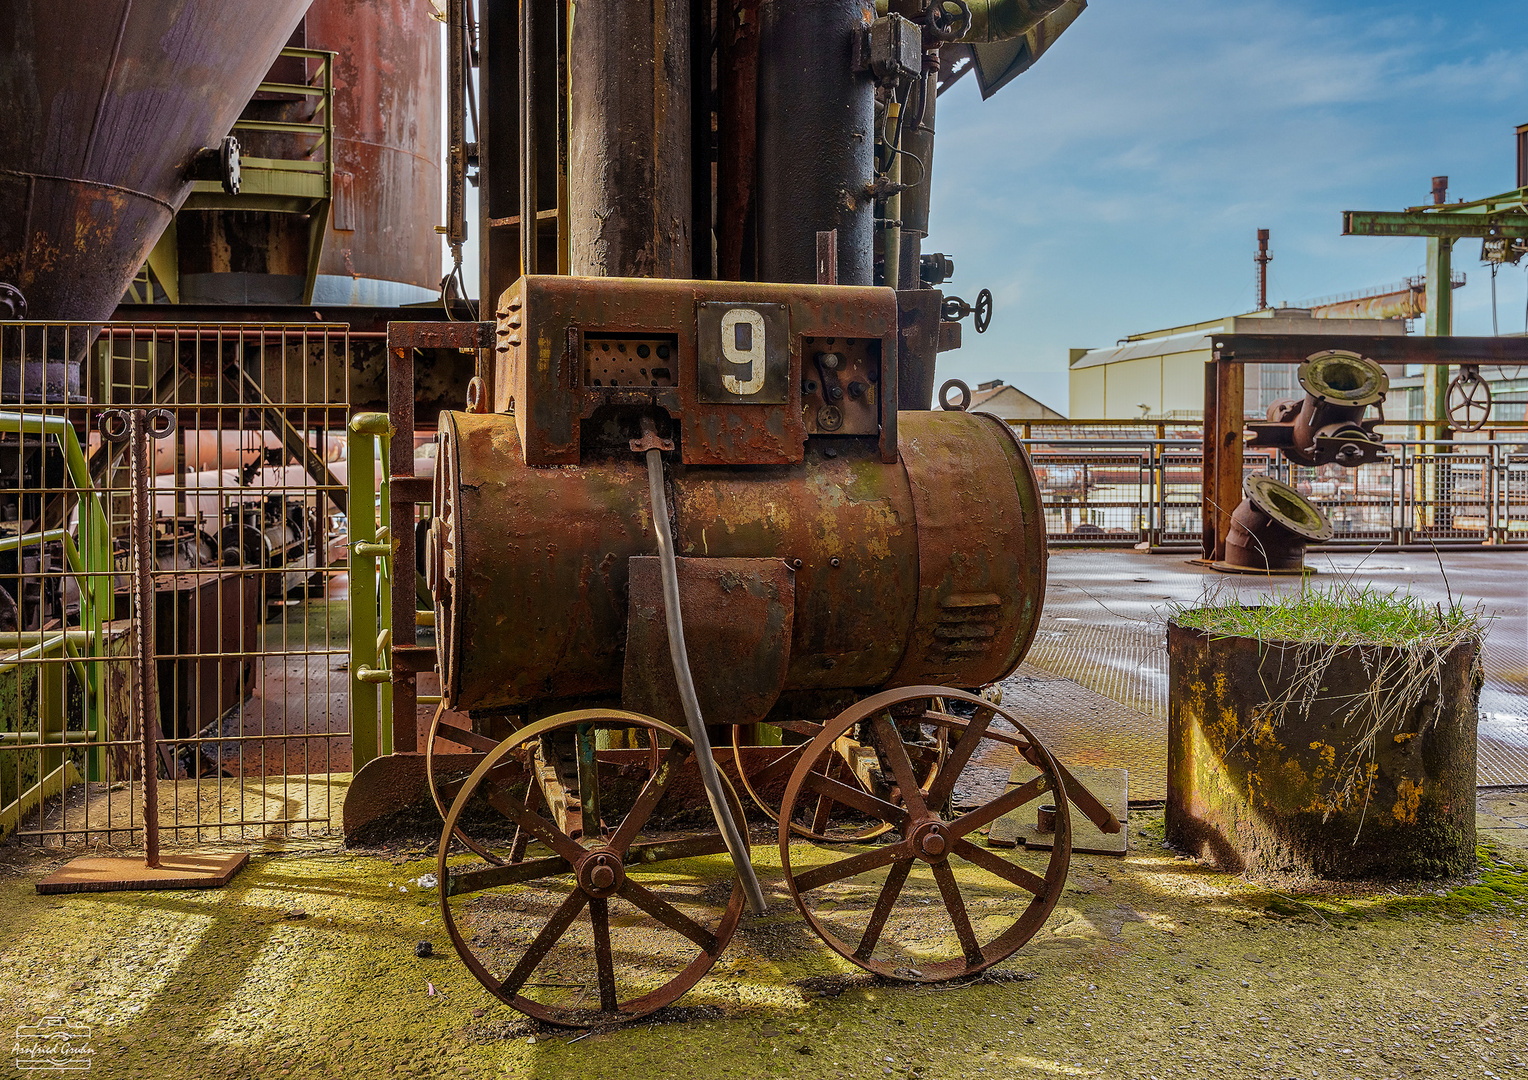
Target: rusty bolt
{"x": 856, "y": 390}
{"x": 932, "y": 845}
{"x": 602, "y": 877}
{"x": 835, "y": 393}
{"x": 829, "y": 361}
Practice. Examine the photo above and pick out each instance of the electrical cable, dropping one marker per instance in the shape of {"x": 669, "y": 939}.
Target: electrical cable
{"x": 737, "y": 842}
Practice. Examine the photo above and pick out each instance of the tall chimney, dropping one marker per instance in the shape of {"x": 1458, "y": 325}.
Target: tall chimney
{"x": 1262, "y": 259}
{"x": 1440, "y": 190}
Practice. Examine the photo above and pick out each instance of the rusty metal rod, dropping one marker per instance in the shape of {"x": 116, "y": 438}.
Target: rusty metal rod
{"x": 737, "y": 843}
{"x": 138, "y": 426}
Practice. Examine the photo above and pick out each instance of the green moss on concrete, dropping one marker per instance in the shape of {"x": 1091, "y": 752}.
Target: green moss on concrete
{"x": 1150, "y": 965}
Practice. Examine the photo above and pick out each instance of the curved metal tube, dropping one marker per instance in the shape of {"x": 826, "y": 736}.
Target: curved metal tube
{"x": 737, "y": 843}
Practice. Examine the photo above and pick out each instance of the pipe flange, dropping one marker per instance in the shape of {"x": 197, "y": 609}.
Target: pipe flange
{"x": 1288, "y": 507}
{"x": 1339, "y": 377}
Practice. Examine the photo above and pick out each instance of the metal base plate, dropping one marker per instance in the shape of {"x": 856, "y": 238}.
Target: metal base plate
{"x": 1232, "y": 568}
{"x": 1109, "y": 786}
{"x": 93, "y": 873}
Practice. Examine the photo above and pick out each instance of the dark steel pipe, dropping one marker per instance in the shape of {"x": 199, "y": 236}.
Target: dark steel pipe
{"x": 816, "y": 140}
{"x": 629, "y": 171}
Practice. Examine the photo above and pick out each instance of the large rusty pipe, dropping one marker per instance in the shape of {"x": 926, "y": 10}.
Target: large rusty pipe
{"x": 930, "y": 569}
{"x": 816, "y": 140}
{"x": 629, "y": 139}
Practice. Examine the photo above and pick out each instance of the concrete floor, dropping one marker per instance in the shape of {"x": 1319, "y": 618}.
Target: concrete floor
{"x": 1150, "y": 966}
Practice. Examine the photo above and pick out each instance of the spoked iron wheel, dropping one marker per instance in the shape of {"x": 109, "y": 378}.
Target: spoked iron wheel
{"x": 445, "y": 785}
{"x": 447, "y": 782}
{"x": 591, "y": 931}
{"x": 877, "y": 907}
{"x": 848, "y": 762}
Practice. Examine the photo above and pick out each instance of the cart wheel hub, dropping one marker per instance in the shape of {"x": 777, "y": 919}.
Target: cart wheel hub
{"x": 601, "y": 873}
{"x": 930, "y": 841}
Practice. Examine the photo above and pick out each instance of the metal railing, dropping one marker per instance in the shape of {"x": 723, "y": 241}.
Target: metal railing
{"x": 1106, "y": 491}
{"x": 249, "y": 630}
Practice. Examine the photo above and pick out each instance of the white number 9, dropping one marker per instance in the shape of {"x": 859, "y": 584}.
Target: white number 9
{"x": 743, "y": 343}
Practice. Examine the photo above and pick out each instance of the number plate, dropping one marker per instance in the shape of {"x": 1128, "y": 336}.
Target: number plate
{"x": 743, "y": 353}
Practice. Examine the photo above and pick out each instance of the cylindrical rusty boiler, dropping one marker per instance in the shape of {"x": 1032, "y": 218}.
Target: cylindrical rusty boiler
{"x": 930, "y": 569}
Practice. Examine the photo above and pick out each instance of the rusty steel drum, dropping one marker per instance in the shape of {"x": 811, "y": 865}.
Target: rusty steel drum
{"x": 929, "y": 569}
{"x": 107, "y": 105}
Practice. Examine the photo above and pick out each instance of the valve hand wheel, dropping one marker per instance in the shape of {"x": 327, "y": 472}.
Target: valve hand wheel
{"x": 983, "y": 311}
{"x": 1469, "y": 399}
{"x": 594, "y": 930}
{"x": 950, "y": 20}
{"x": 876, "y": 908}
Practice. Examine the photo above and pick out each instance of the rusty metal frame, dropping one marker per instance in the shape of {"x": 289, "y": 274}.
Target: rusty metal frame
{"x": 1225, "y": 395}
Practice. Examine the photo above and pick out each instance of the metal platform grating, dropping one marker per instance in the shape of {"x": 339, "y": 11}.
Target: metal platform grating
{"x": 1098, "y": 665}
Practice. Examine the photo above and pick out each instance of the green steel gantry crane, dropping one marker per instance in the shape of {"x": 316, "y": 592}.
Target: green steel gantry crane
{"x": 1499, "y": 217}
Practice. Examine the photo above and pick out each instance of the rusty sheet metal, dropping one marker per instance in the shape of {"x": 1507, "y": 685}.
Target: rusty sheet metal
{"x": 738, "y": 616}
{"x": 108, "y": 102}
{"x": 530, "y": 565}
{"x": 548, "y": 326}
{"x": 1297, "y": 793}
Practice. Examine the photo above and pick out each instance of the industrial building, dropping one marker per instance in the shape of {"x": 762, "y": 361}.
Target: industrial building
{"x": 1159, "y": 374}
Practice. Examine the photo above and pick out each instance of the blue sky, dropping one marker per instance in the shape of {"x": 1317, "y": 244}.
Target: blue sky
{"x": 1117, "y": 186}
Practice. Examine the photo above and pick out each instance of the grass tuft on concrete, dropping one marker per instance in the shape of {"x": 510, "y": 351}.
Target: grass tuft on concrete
{"x": 1340, "y": 614}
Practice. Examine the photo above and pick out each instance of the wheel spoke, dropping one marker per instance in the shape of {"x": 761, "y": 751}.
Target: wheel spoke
{"x": 873, "y": 859}
{"x": 522, "y": 838}
{"x": 533, "y": 823}
{"x": 667, "y": 914}
{"x": 960, "y": 754}
{"x": 543, "y": 942}
{"x": 781, "y": 766}
{"x": 956, "y": 906}
{"x": 851, "y": 796}
{"x": 465, "y": 737}
{"x": 1009, "y": 800}
{"x": 996, "y": 864}
{"x": 470, "y": 881}
{"x": 954, "y": 723}
{"x": 883, "y": 905}
{"x": 901, "y": 765}
{"x": 599, "y": 915}
{"x": 652, "y": 793}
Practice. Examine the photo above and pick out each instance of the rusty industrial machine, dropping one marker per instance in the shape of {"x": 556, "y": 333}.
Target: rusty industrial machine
{"x": 696, "y": 527}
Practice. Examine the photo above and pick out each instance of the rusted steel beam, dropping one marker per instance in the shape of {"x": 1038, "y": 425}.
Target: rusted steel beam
{"x": 440, "y": 335}
{"x": 1382, "y": 349}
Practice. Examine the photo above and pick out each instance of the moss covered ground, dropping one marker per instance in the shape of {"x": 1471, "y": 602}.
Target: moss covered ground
{"x": 1151, "y": 966}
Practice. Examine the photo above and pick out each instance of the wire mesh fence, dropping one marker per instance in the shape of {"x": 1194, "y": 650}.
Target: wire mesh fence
{"x": 249, "y": 619}
{"x": 1099, "y": 489}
